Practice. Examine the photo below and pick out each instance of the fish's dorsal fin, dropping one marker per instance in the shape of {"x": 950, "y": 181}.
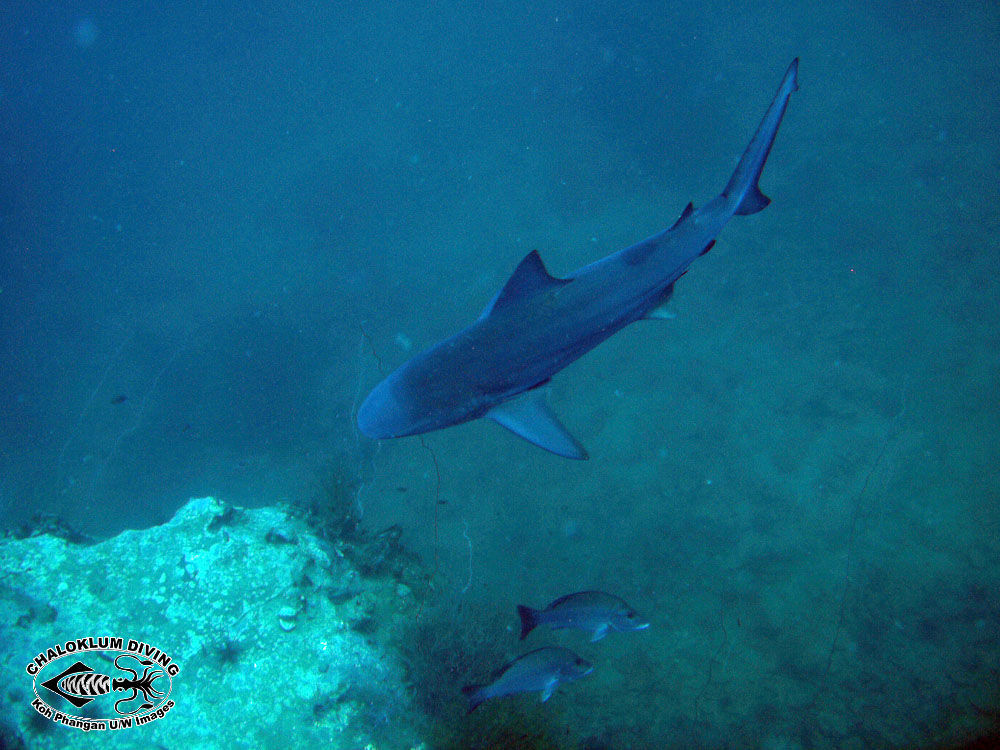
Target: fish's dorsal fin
{"x": 529, "y": 417}
{"x": 688, "y": 210}
{"x": 528, "y": 278}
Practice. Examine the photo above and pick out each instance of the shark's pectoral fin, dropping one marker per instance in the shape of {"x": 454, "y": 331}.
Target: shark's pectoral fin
{"x": 529, "y": 417}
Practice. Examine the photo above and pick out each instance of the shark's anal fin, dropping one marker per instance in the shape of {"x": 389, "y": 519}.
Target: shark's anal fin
{"x": 529, "y": 417}
{"x": 528, "y": 278}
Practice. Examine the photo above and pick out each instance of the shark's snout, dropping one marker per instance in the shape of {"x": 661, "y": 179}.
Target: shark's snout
{"x": 380, "y": 415}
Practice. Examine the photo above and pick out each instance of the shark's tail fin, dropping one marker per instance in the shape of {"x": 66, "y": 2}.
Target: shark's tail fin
{"x": 529, "y": 619}
{"x": 742, "y": 187}
{"x": 474, "y": 694}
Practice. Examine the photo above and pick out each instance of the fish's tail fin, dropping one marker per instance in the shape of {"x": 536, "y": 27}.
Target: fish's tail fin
{"x": 474, "y": 694}
{"x": 742, "y": 187}
{"x": 529, "y": 619}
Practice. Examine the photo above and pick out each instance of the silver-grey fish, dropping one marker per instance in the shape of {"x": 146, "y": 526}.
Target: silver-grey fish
{"x": 594, "y": 611}
{"x": 543, "y": 669}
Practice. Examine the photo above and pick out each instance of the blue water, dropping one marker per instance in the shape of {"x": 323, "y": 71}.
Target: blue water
{"x": 218, "y": 223}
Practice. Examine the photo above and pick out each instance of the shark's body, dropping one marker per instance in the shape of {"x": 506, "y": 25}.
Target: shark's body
{"x": 538, "y": 324}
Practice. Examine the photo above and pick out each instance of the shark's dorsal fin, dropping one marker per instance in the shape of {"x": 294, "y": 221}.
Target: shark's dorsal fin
{"x": 528, "y": 278}
{"x": 529, "y": 417}
{"x": 638, "y": 253}
{"x": 688, "y": 210}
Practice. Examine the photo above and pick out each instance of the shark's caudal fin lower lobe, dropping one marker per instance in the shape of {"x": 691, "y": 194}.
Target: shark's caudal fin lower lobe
{"x": 474, "y": 694}
{"x": 742, "y": 186}
{"x": 529, "y": 619}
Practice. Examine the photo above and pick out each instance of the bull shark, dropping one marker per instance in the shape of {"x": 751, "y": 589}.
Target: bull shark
{"x": 538, "y": 324}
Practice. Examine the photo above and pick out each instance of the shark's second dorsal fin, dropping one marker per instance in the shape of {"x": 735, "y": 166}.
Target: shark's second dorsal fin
{"x": 688, "y": 210}
{"x": 528, "y": 278}
{"x": 639, "y": 253}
